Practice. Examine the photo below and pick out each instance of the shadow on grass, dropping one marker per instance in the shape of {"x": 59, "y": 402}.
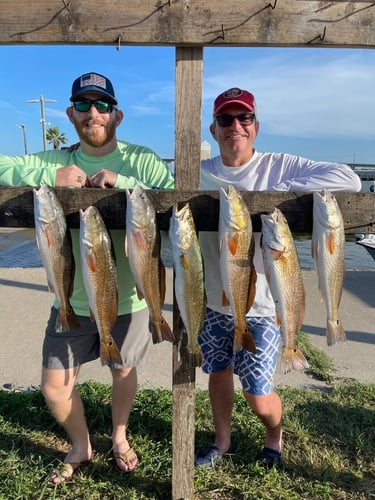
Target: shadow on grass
{"x": 329, "y": 442}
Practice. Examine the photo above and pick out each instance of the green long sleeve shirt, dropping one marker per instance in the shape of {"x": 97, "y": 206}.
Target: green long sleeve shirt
{"x": 133, "y": 164}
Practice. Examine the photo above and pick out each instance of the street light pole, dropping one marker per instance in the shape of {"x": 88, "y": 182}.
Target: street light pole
{"x": 43, "y": 120}
{"x": 24, "y": 136}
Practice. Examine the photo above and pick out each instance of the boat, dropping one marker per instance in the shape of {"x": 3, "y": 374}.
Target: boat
{"x": 368, "y": 241}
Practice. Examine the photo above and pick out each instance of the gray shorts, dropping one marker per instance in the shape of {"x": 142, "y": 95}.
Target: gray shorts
{"x": 70, "y": 349}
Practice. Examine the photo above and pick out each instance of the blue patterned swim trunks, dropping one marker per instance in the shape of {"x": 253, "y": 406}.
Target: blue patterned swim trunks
{"x": 255, "y": 371}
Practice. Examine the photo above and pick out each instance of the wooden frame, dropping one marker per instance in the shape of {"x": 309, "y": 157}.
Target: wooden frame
{"x": 189, "y": 25}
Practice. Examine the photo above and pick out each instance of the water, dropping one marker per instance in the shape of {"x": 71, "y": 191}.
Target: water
{"x": 18, "y": 249}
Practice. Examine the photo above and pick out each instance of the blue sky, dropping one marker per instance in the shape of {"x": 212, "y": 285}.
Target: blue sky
{"x": 315, "y": 102}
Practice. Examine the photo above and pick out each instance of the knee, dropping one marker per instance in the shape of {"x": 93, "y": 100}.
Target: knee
{"x": 119, "y": 374}
{"x": 264, "y": 406}
{"x": 56, "y": 386}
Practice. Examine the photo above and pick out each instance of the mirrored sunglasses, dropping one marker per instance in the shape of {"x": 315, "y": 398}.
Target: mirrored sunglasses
{"x": 84, "y": 105}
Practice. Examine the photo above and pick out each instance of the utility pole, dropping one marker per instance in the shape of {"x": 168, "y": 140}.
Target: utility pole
{"x": 24, "y": 136}
{"x": 43, "y": 120}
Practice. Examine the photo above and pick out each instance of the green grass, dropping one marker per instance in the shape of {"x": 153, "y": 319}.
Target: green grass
{"x": 328, "y": 452}
{"x": 329, "y": 445}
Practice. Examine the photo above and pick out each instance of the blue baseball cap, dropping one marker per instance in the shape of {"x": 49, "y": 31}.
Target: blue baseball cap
{"x": 93, "y": 82}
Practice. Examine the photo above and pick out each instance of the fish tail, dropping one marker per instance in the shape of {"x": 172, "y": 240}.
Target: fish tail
{"x": 248, "y": 341}
{"x": 109, "y": 352}
{"x": 335, "y": 332}
{"x": 293, "y": 359}
{"x": 66, "y": 320}
{"x": 237, "y": 340}
{"x": 195, "y": 352}
{"x": 161, "y": 331}
{"x": 243, "y": 339}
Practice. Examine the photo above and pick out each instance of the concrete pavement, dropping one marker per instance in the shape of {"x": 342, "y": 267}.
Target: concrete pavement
{"x": 25, "y": 304}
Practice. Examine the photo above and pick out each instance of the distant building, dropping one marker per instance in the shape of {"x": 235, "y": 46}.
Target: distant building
{"x": 205, "y": 150}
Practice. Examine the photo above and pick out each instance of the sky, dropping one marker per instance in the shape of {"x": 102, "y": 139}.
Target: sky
{"x": 314, "y": 102}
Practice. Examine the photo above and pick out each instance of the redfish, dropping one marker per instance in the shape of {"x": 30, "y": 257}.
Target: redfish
{"x": 100, "y": 280}
{"x": 283, "y": 273}
{"x": 142, "y": 247}
{"x": 189, "y": 276}
{"x": 328, "y": 251}
{"x": 236, "y": 251}
{"x": 55, "y": 248}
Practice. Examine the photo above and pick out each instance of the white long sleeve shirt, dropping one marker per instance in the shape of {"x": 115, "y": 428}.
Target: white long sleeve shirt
{"x": 264, "y": 172}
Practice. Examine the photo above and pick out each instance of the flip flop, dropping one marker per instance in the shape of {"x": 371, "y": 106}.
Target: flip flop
{"x": 126, "y": 458}
{"x": 64, "y": 472}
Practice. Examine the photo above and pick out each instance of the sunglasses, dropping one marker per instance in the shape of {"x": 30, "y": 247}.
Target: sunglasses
{"x": 227, "y": 120}
{"x": 85, "y": 105}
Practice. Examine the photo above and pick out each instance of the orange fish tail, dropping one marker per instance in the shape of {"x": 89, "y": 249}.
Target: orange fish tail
{"x": 293, "y": 359}
{"x": 109, "y": 353}
{"x": 248, "y": 341}
{"x": 335, "y": 332}
{"x": 161, "y": 331}
{"x": 66, "y": 320}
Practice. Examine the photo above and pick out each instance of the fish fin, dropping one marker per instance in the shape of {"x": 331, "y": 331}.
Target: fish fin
{"x": 50, "y": 287}
{"x": 139, "y": 293}
{"x": 224, "y": 300}
{"x": 277, "y": 320}
{"x": 66, "y": 320}
{"x": 184, "y": 261}
{"x": 293, "y": 359}
{"x": 162, "y": 283}
{"x": 330, "y": 242}
{"x": 248, "y": 341}
{"x": 252, "y": 288}
{"x": 92, "y": 315}
{"x": 139, "y": 240}
{"x": 335, "y": 332}
{"x": 161, "y": 331}
{"x": 109, "y": 352}
{"x": 233, "y": 243}
{"x": 49, "y": 236}
{"x": 220, "y": 246}
{"x": 91, "y": 262}
{"x": 301, "y": 314}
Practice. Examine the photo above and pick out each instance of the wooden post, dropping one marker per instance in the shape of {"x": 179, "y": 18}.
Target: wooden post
{"x": 189, "y": 65}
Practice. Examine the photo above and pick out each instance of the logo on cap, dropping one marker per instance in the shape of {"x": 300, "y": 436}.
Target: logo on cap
{"x": 231, "y": 93}
{"x": 93, "y": 79}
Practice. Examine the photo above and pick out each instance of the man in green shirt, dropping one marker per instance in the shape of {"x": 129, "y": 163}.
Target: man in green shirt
{"x": 100, "y": 161}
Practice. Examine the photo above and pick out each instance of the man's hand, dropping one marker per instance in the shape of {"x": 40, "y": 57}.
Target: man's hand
{"x": 102, "y": 179}
{"x": 70, "y": 176}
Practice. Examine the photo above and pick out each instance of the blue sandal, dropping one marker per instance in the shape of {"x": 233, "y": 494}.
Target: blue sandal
{"x": 209, "y": 457}
{"x": 270, "y": 458}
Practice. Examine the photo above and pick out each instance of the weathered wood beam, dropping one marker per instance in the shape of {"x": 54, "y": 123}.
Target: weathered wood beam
{"x": 189, "y": 79}
{"x": 358, "y": 209}
{"x": 189, "y": 22}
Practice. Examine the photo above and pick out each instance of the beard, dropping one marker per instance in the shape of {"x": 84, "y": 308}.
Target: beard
{"x": 96, "y": 138}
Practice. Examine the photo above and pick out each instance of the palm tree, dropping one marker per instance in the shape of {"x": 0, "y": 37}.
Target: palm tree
{"x": 56, "y": 138}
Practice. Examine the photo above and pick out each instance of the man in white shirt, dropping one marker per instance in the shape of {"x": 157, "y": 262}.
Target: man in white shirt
{"x": 235, "y": 128}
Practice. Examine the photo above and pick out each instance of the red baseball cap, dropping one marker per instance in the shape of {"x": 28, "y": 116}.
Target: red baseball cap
{"x": 234, "y": 95}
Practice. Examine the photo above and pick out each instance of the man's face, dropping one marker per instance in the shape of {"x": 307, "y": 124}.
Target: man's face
{"x": 237, "y": 138}
{"x": 94, "y": 128}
